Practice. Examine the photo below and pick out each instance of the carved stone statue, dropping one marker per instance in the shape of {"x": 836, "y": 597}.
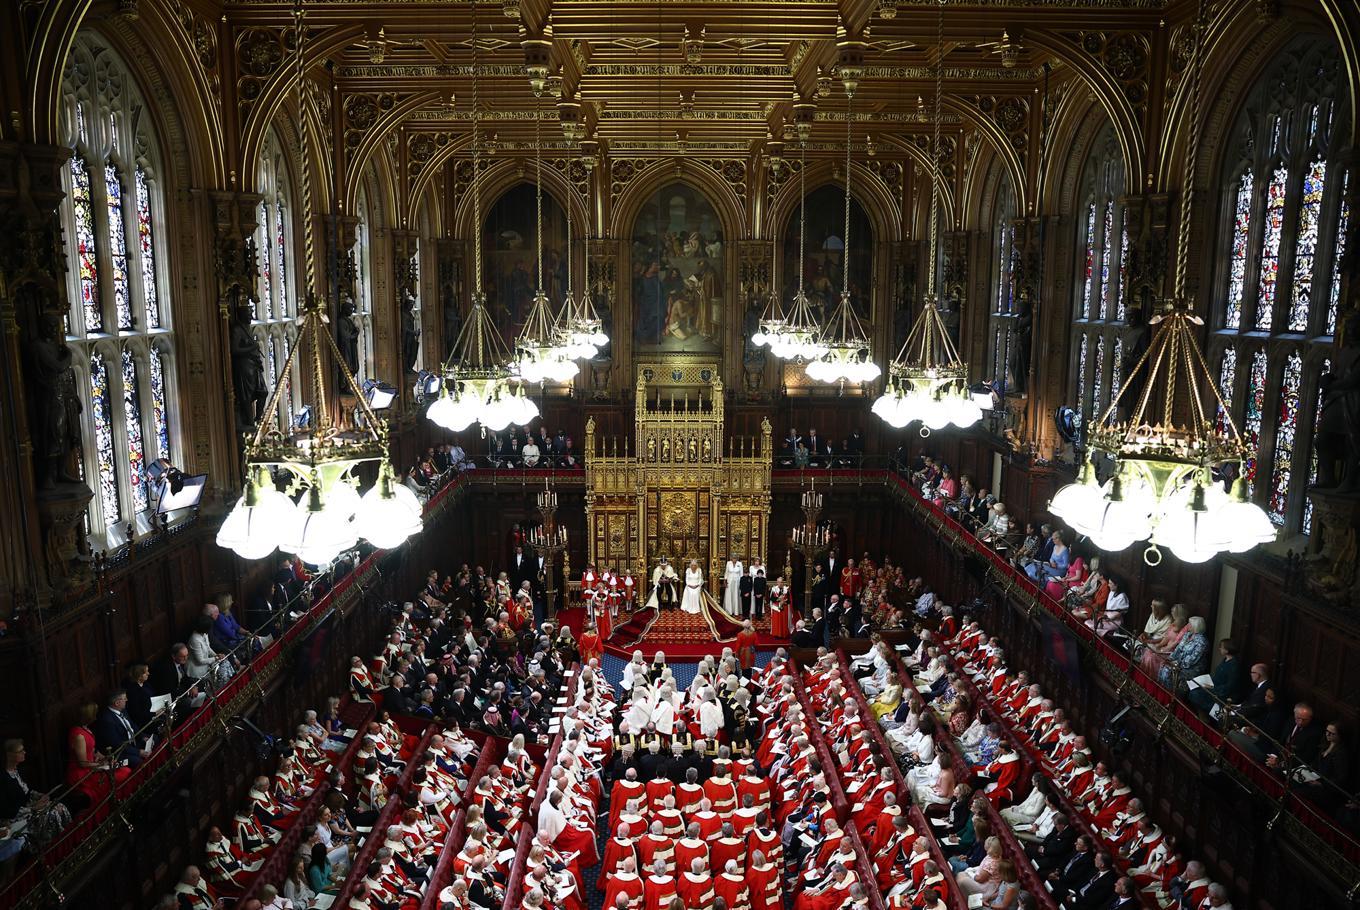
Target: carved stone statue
{"x": 56, "y": 406}
{"x": 247, "y": 371}
{"x": 410, "y": 332}
{"x": 453, "y": 316}
{"x": 1020, "y": 343}
{"x": 347, "y": 339}
{"x": 1338, "y": 430}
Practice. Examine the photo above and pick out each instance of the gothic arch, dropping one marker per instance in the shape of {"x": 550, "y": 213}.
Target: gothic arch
{"x": 1108, "y": 94}
{"x": 999, "y": 143}
{"x": 280, "y": 87}
{"x": 377, "y": 135}
{"x": 668, "y": 170}
{"x": 1067, "y": 170}
{"x": 868, "y": 190}
{"x": 436, "y": 165}
{"x": 499, "y": 177}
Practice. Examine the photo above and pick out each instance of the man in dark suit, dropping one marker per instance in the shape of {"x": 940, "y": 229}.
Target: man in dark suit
{"x": 1302, "y": 740}
{"x": 114, "y": 732}
{"x": 1125, "y": 895}
{"x": 821, "y": 634}
{"x": 821, "y": 588}
{"x": 1253, "y": 705}
{"x": 1054, "y": 849}
{"x": 523, "y": 567}
{"x": 1096, "y": 891}
{"x": 803, "y": 636}
{"x": 1072, "y": 872}
{"x": 744, "y": 587}
{"x": 171, "y": 676}
{"x": 394, "y": 696}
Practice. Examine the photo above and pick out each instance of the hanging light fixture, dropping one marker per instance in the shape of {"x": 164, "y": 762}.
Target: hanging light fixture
{"x": 927, "y": 381}
{"x": 539, "y": 356}
{"x": 580, "y": 331}
{"x": 319, "y": 459}
{"x": 1162, "y": 488}
{"x": 845, "y": 353}
{"x": 795, "y": 335}
{"x": 482, "y": 383}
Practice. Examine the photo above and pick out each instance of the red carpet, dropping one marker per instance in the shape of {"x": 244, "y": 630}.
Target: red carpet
{"x": 679, "y": 634}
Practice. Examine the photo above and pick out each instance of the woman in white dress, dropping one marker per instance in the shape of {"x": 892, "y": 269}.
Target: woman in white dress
{"x": 694, "y": 586}
{"x": 732, "y": 595}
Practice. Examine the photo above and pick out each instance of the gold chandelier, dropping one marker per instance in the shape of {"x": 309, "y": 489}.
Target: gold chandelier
{"x": 846, "y": 353}
{"x": 928, "y": 381}
{"x": 1162, "y": 488}
{"x": 317, "y": 459}
{"x": 482, "y": 382}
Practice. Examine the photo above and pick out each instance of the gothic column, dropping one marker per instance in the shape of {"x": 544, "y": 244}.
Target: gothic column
{"x": 236, "y": 270}
{"x": 43, "y": 551}
{"x": 755, "y": 281}
{"x": 341, "y": 237}
{"x": 404, "y": 246}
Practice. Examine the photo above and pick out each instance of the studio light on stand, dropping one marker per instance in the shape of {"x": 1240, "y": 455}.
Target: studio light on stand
{"x": 315, "y": 456}
{"x": 1165, "y": 453}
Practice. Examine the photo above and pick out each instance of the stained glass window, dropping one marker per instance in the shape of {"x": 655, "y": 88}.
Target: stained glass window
{"x": 148, "y": 250}
{"x": 273, "y": 369}
{"x": 87, "y": 260}
{"x": 1119, "y": 312}
{"x": 1313, "y": 459}
{"x": 1255, "y": 409}
{"x": 1106, "y": 241}
{"x": 101, "y": 407}
{"x": 1343, "y": 222}
{"x": 1237, "y": 269}
{"x": 996, "y": 353}
{"x": 113, "y": 192}
{"x": 1227, "y": 379}
{"x": 1270, "y": 249}
{"x": 1285, "y": 429}
{"x": 1097, "y": 374}
{"x": 1090, "y": 259}
{"x": 1116, "y": 369}
{"x": 1081, "y": 375}
{"x": 265, "y": 254}
{"x": 160, "y": 413}
{"x": 1305, "y": 244}
{"x": 132, "y": 421}
{"x": 281, "y": 248}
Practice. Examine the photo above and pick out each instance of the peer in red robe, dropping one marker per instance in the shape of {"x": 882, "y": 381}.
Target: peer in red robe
{"x": 733, "y": 888}
{"x": 763, "y": 878}
{"x": 695, "y": 889}
{"x": 589, "y": 644}
{"x": 658, "y": 889}
{"x": 627, "y": 882}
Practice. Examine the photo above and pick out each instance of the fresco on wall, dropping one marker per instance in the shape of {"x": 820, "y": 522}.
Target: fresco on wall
{"x": 825, "y": 253}
{"x": 678, "y": 256}
{"x": 510, "y": 256}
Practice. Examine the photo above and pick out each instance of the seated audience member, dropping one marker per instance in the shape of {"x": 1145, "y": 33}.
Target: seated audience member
{"x": 1155, "y": 647}
{"x": 997, "y": 528}
{"x": 1189, "y": 658}
{"x": 1055, "y": 566}
{"x": 1228, "y": 680}
{"x": 43, "y": 818}
{"x": 1108, "y": 618}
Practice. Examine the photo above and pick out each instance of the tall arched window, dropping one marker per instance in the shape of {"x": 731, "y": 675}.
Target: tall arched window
{"x": 119, "y": 321}
{"x": 1277, "y": 290}
{"x": 276, "y": 310}
{"x": 1098, "y": 320}
{"x": 363, "y": 280}
{"x": 1003, "y": 291}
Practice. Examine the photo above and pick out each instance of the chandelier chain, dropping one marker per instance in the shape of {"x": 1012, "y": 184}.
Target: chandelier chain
{"x": 935, "y": 154}
{"x": 476, "y": 163}
{"x": 1191, "y": 155}
{"x": 538, "y": 188}
{"x": 845, "y": 256}
{"x": 802, "y": 210}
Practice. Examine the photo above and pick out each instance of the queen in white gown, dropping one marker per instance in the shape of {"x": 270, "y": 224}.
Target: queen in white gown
{"x": 694, "y": 585}
{"x": 732, "y": 574}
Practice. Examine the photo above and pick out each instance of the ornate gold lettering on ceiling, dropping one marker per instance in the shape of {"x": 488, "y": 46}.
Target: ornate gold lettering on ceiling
{"x": 776, "y": 70}
{"x": 440, "y": 70}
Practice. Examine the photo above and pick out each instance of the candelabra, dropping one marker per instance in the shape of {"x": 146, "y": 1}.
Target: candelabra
{"x": 548, "y": 540}
{"x": 809, "y": 540}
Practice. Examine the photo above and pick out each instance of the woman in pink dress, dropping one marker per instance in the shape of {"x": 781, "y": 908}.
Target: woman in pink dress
{"x": 1156, "y": 649}
{"x": 1057, "y": 588}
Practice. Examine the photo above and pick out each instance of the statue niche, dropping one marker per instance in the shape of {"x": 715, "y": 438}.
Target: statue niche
{"x": 347, "y": 340}
{"x": 55, "y": 405}
{"x": 1338, "y": 430}
{"x": 247, "y": 371}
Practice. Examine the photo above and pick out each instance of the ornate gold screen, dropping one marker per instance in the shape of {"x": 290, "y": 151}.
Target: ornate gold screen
{"x": 677, "y": 488}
